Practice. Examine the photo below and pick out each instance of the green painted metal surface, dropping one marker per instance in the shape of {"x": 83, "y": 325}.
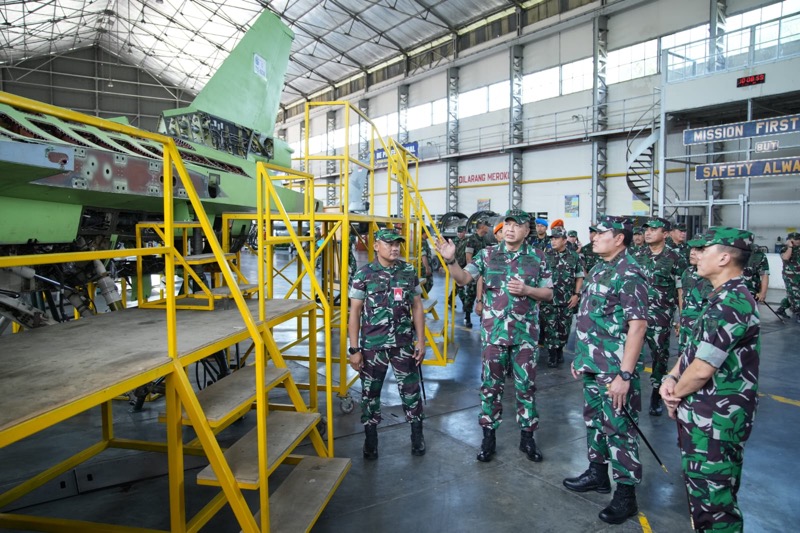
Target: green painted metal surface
{"x": 23, "y": 220}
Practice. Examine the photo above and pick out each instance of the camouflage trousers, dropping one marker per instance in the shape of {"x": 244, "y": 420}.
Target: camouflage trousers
{"x": 496, "y": 358}
{"x": 555, "y": 321}
{"x": 376, "y": 364}
{"x": 610, "y": 436}
{"x": 467, "y": 294}
{"x": 792, "y": 300}
{"x": 427, "y": 284}
{"x": 657, "y": 339}
{"x": 712, "y": 471}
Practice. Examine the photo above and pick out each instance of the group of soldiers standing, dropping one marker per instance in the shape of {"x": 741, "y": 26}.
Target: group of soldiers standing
{"x": 625, "y": 287}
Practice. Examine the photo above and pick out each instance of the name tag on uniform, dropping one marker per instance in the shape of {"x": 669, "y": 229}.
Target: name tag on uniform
{"x": 398, "y": 294}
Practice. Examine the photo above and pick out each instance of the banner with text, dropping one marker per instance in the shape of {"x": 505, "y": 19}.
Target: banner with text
{"x": 784, "y": 166}
{"x": 742, "y": 130}
{"x": 484, "y": 177}
{"x": 412, "y": 147}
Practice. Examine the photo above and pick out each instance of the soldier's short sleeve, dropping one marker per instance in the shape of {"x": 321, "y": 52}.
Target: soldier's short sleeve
{"x": 633, "y": 295}
{"x": 580, "y": 268}
{"x": 764, "y": 266}
{"x": 478, "y": 265}
{"x": 358, "y": 285}
{"x": 722, "y": 329}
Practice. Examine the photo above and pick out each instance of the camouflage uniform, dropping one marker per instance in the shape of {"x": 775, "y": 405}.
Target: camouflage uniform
{"x": 791, "y": 279}
{"x": 459, "y": 242}
{"x": 588, "y": 257}
{"x": 475, "y": 243}
{"x": 426, "y": 252}
{"x": 542, "y": 243}
{"x": 682, "y": 250}
{"x": 387, "y": 336}
{"x": 663, "y": 273}
{"x": 571, "y": 245}
{"x": 756, "y": 267}
{"x": 510, "y": 329}
{"x": 615, "y": 293}
{"x": 566, "y": 268}
{"x": 352, "y": 263}
{"x": 715, "y": 421}
{"x": 695, "y": 290}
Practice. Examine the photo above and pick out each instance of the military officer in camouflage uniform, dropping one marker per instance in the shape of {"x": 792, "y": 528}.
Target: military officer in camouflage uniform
{"x": 611, "y": 325}
{"x": 587, "y": 254}
{"x": 693, "y": 295}
{"x": 791, "y": 276}
{"x": 756, "y": 274}
{"x": 539, "y": 239}
{"x": 427, "y": 271}
{"x": 572, "y": 241}
{"x": 713, "y": 390}
{"x": 475, "y": 243}
{"x": 461, "y": 237}
{"x": 352, "y": 262}
{"x": 386, "y": 310}
{"x": 677, "y": 240}
{"x": 638, "y": 240}
{"x": 515, "y": 279}
{"x": 663, "y": 268}
{"x": 567, "y": 270}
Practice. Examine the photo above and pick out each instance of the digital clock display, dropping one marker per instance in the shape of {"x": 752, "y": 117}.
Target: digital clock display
{"x": 747, "y": 81}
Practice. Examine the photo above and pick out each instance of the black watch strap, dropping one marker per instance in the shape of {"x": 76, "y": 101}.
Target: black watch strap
{"x": 626, "y": 376}
{"x": 353, "y": 351}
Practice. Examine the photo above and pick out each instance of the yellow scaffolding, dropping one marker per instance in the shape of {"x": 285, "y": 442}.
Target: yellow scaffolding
{"x": 22, "y": 418}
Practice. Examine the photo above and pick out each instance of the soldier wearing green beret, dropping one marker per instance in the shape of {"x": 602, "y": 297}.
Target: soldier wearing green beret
{"x": 713, "y": 389}
{"x": 611, "y": 324}
{"x": 385, "y": 312}
{"x": 515, "y": 279}
{"x": 791, "y": 276}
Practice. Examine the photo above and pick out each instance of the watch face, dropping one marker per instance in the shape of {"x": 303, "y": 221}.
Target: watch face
{"x": 626, "y": 376}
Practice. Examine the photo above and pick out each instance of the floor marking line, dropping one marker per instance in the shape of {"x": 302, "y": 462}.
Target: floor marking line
{"x": 782, "y": 399}
{"x": 644, "y": 523}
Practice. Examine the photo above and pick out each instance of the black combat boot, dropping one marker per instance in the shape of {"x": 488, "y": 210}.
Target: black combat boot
{"x": 371, "y": 441}
{"x": 560, "y": 356}
{"x": 527, "y": 444}
{"x": 488, "y": 446}
{"x": 781, "y": 312}
{"x": 552, "y": 358}
{"x": 622, "y": 507}
{"x": 468, "y": 320}
{"x": 655, "y": 404}
{"x": 417, "y": 440}
{"x": 595, "y": 478}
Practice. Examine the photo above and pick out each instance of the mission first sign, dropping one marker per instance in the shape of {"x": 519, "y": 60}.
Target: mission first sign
{"x": 742, "y": 130}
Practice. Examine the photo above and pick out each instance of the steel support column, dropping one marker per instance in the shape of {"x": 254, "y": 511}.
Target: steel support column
{"x": 302, "y": 146}
{"x": 515, "y": 180}
{"x": 716, "y": 29}
{"x": 600, "y": 118}
{"x": 452, "y": 139}
{"x": 364, "y": 130}
{"x": 402, "y": 132}
{"x": 515, "y": 133}
{"x": 330, "y": 166}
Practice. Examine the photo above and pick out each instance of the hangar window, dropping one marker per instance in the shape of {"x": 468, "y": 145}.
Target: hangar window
{"x": 419, "y": 116}
{"x": 439, "y": 107}
{"x": 473, "y": 103}
{"x": 499, "y": 96}
{"x": 540, "y": 85}
{"x": 577, "y": 76}
{"x": 632, "y": 62}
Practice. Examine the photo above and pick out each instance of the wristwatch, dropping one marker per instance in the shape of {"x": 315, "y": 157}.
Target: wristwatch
{"x": 626, "y": 376}
{"x": 353, "y": 351}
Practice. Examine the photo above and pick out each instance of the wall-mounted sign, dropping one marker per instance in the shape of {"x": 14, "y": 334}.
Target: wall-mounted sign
{"x": 747, "y": 81}
{"x": 743, "y": 130}
{"x": 483, "y": 177}
{"x": 767, "y": 146}
{"x": 572, "y": 206}
{"x": 484, "y": 204}
{"x": 748, "y": 169}
{"x": 412, "y": 147}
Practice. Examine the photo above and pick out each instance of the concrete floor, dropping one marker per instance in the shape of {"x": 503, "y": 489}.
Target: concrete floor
{"x": 447, "y": 489}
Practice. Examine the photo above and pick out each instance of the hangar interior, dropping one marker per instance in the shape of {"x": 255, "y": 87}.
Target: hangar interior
{"x": 569, "y": 109}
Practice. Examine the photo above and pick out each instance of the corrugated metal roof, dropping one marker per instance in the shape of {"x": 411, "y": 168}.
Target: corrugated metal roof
{"x": 184, "y": 41}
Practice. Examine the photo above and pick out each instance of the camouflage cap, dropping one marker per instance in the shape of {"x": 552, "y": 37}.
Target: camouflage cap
{"x": 518, "y": 215}
{"x": 637, "y": 230}
{"x": 608, "y": 223}
{"x": 388, "y": 235}
{"x": 726, "y": 236}
{"x": 793, "y": 235}
{"x": 557, "y": 233}
{"x": 572, "y": 233}
{"x": 679, "y": 226}
{"x": 461, "y": 229}
{"x": 658, "y": 222}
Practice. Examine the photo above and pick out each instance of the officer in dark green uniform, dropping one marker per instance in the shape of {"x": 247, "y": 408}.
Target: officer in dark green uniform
{"x": 475, "y": 243}
{"x": 572, "y": 241}
{"x": 713, "y": 390}
{"x": 638, "y": 241}
{"x": 539, "y": 238}
{"x": 677, "y": 240}
{"x": 386, "y": 311}
{"x": 567, "y": 270}
{"x": 695, "y": 289}
{"x": 587, "y": 254}
{"x": 610, "y": 330}
{"x": 756, "y": 275}
{"x": 791, "y": 276}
